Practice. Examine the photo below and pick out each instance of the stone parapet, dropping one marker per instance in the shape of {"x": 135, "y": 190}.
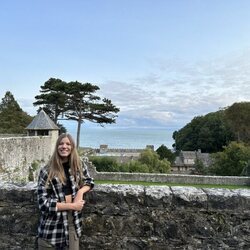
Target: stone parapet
{"x": 167, "y": 178}
{"x": 138, "y": 217}
{"x": 173, "y": 178}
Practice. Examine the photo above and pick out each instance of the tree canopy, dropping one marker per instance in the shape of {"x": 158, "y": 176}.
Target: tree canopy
{"x": 231, "y": 161}
{"x": 238, "y": 117}
{"x": 152, "y": 160}
{"x": 76, "y": 101}
{"x": 13, "y": 119}
{"x": 52, "y": 98}
{"x": 208, "y": 133}
{"x": 165, "y": 153}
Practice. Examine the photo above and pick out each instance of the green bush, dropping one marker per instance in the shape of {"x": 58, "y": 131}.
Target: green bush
{"x": 231, "y": 161}
{"x": 105, "y": 163}
{"x": 199, "y": 168}
{"x": 148, "y": 162}
{"x": 124, "y": 167}
{"x": 152, "y": 160}
{"x": 137, "y": 167}
{"x": 149, "y": 157}
{"x": 165, "y": 153}
{"x": 162, "y": 166}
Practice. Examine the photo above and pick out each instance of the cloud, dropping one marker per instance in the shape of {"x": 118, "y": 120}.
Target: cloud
{"x": 27, "y": 106}
{"x": 175, "y": 91}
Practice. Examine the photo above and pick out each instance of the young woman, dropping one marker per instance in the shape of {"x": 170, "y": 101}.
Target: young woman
{"x": 61, "y": 187}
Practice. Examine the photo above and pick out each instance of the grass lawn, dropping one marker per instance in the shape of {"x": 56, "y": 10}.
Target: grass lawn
{"x": 171, "y": 184}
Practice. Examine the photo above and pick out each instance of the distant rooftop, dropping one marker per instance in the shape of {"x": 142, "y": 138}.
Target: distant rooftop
{"x": 42, "y": 122}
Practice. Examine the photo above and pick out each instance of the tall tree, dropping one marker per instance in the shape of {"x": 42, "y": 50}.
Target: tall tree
{"x": 53, "y": 98}
{"x": 208, "y": 133}
{"x": 83, "y": 104}
{"x": 76, "y": 101}
{"x": 231, "y": 161}
{"x": 238, "y": 116}
{"x": 13, "y": 119}
{"x": 165, "y": 153}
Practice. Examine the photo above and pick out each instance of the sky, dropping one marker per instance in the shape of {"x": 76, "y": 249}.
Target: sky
{"x": 162, "y": 62}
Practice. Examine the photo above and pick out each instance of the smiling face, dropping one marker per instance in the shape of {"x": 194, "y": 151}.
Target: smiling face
{"x": 64, "y": 149}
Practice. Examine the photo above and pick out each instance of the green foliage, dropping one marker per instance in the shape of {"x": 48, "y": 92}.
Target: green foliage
{"x": 199, "y": 168}
{"x": 62, "y": 129}
{"x": 231, "y": 161}
{"x": 84, "y": 104}
{"x": 165, "y": 153}
{"x": 152, "y": 160}
{"x": 149, "y": 157}
{"x": 163, "y": 166}
{"x": 13, "y": 119}
{"x": 104, "y": 163}
{"x": 110, "y": 164}
{"x": 148, "y": 162}
{"x": 208, "y": 133}
{"x": 246, "y": 169}
{"x": 31, "y": 175}
{"x": 134, "y": 167}
{"x": 238, "y": 117}
{"x": 76, "y": 101}
{"x": 35, "y": 165}
{"x": 52, "y": 98}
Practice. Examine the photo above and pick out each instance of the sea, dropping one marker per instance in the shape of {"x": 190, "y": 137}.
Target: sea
{"x": 117, "y": 137}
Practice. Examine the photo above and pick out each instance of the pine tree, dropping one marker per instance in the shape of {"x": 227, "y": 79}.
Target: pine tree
{"x": 13, "y": 120}
{"x": 76, "y": 101}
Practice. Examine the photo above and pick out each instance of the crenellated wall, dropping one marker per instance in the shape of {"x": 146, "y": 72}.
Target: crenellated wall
{"x": 137, "y": 217}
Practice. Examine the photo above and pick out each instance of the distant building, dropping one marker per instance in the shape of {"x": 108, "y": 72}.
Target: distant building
{"x": 42, "y": 125}
{"x": 122, "y": 155}
{"x": 150, "y": 147}
{"x": 103, "y": 148}
{"x": 184, "y": 163}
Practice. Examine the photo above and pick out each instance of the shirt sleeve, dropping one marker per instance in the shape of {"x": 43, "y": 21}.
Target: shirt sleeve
{"x": 87, "y": 180}
{"x": 45, "y": 195}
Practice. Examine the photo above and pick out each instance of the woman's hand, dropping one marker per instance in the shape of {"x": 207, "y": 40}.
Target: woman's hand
{"x": 78, "y": 202}
{"x": 78, "y": 205}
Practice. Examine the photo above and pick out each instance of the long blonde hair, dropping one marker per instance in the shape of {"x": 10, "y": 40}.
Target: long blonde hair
{"x": 55, "y": 163}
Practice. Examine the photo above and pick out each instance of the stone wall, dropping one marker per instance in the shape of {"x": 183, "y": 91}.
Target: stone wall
{"x": 174, "y": 178}
{"x": 167, "y": 178}
{"x": 20, "y": 155}
{"x": 137, "y": 217}
{"x": 105, "y": 149}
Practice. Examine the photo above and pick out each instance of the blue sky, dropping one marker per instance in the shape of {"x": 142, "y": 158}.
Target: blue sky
{"x": 162, "y": 62}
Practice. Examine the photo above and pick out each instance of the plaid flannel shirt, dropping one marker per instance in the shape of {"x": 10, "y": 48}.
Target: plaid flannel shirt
{"x": 53, "y": 224}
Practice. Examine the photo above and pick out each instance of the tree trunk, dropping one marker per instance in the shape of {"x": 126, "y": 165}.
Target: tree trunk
{"x": 78, "y": 133}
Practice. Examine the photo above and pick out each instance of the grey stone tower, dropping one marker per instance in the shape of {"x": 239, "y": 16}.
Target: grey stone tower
{"x": 42, "y": 125}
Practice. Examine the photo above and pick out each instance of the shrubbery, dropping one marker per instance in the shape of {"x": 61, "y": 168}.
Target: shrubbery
{"x": 165, "y": 153}
{"x": 199, "y": 168}
{"x": 148, "y": 162}
{"x": 232, "y": 161}
{"x": 104, "y": 163}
